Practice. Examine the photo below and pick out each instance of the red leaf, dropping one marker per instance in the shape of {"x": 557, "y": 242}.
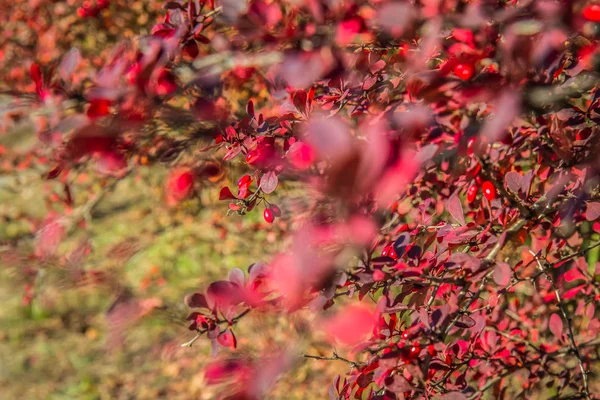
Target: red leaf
{"x": 572, "y": 292}
{"x": 222, "y": 294}
{"x": 573, "y": 275}
{"x": 195, "y": 300}
{"x": 222, "y": 370}
{"x": 36, "y": 73}
{"x": 225, "y": 194}
{"x": 250, "y": 108}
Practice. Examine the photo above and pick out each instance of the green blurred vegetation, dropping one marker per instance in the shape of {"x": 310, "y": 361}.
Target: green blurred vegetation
{"x": 59, "y": 346}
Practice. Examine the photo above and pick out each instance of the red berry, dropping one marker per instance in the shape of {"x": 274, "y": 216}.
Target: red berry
{"x": 276, "y": 210}
{"x": 463, "y": 71}
{"x": 431, "y": 350}
{"x": 414, "y": 351}
{"x": 472, "y": 193}
{"x": 252, "y": 156}
{"x": 98, "y": 108}
{"x": 244, "y": 181}
{"x": 592, "y": 13}
{"x": 392, "y": 253}
{"x": 268, "y": 215}
{"x": 166, "y": 84}
{"x": 489, "y": 191}
{"x": 179, "y": 184}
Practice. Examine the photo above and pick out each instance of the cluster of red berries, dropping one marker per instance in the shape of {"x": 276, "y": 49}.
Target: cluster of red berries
{"x": 87, "y": 9}
{"x": 488, "y": 189}
{"x": 388, "y": 251}
{"x": 271, "y": 212}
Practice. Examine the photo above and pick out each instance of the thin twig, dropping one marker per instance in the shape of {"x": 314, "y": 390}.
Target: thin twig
{"x": 570, "y": 334}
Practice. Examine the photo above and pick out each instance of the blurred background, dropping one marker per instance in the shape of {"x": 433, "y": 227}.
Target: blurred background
{"x": 104, "y": 318}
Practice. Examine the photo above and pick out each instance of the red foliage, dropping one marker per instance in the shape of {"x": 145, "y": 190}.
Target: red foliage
{"x": 392, "y": 118}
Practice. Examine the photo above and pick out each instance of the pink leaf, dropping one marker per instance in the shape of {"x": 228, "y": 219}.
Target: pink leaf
{"x": 68, "y": 64}
{"x": 396, "y": 17}
{"x": 237, "y": 276}
{"x": 506, "y": 110}
{"x": 49, "y": 237}
{"x": 513, "y": 181}
{"x": 398, "y": 384}
{"x": 556, "y": 325}
{"x": 502, "y": 274}
{"x": 227, "y": 339}
{"x": 330, "y": 138}
{"x": 454, "y": 207}
{"x": 233, "y": 151}
{"x": 592, "y": 211}
{"x": 269, "y": 182}
{"x": 351, "y": 325}
{"x": 301, "y": 155}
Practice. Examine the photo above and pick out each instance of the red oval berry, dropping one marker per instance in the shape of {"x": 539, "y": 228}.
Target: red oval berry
{"x": 276, "y": 210}
{"x": 392, "y": 253}
{"x": 592, "y": 13}
{"x": 244, "y": 181}
{"x": 252, "y": 156}
{"x": 472, "y": 193}
{"x": 431, "y": 350}
{"x": 489, "y": 191}
{"x": 463, "y": 71}
{"x": 268, "y": 215}
{"x": 414, "y": 351}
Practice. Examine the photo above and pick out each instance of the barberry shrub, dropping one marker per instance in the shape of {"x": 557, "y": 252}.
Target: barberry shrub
{"x": 438, "y": 161}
